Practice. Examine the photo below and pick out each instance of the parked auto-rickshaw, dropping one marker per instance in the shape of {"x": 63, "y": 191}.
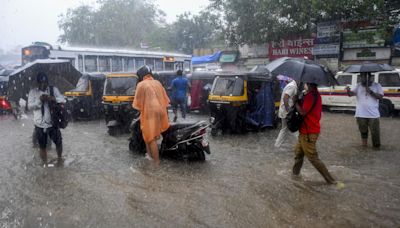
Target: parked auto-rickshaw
{"x": 241, "y": 102}
{"x": 201, "y": 83}
{"x": 119, "y": 92}
{"x": 85, "y": 101}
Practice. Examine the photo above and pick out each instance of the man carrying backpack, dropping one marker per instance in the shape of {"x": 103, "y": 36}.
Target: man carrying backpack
{"x": 311, "y": 110}
{"x": 40, "y": 100}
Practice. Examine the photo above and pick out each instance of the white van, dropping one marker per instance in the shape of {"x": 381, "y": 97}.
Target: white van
{"x": 335, "y": 97}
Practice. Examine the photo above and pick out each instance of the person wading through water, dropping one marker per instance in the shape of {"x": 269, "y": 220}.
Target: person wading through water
{"x": 39, "y": 101}
{"x": 310, "y": 109}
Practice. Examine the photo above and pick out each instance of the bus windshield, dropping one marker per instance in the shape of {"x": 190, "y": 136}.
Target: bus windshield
{"x": 120, "y": 86}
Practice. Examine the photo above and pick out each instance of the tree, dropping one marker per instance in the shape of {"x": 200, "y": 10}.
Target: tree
{"x": 122, "y": 23}
{"x": 265, "y": 20}
{"x": 195, "y": 31}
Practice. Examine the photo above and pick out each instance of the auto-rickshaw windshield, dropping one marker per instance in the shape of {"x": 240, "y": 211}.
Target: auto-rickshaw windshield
{"x": 120, "y": 86}
{"x": 228, "y": 86}
{"x": 82, "y": 85}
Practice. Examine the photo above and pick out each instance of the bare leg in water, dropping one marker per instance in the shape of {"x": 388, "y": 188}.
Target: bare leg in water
{"x": 152, "y": 150}
{"x": 43, "y": 156}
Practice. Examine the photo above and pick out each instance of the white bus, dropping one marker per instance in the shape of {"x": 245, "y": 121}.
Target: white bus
{"x": 102, "y": 60}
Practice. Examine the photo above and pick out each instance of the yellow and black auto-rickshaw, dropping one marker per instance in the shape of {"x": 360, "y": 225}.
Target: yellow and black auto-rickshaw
{"x": 85, "y": 101}
{"x": 242, "y": 101}
{"x": 119, "y": 92}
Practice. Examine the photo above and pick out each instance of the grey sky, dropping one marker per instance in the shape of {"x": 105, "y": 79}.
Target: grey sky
{"x": 25, "y": 21}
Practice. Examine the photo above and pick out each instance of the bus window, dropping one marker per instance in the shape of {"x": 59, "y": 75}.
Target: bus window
{"x": 169, "y": 66}
{"x": 80, "y": 63}
{"x": 159, "y": 65}
{"x": 104, "y": 64}
{"x": 130, "y": 64}
{"x": 116, "y": 64}
{"x": 389, "y": 79}
{"x": 90, "y": 63}
{"x": 150, "y": 63}
{"x": 139, "y": 62}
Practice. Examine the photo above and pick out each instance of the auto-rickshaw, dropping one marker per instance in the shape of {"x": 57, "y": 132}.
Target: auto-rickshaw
{"x": 201, "y": 83}
{"x": 85, "y": 101}
{"x": 242, "y": 101}
{"x": 119, "y": 92}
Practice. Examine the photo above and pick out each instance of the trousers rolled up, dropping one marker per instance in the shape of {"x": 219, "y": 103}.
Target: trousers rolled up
{"x": 371, "y": 124}
{"x": 306, "y": 146}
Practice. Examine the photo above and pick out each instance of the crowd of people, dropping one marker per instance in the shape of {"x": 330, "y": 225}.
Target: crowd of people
{"x": 151, "y": 100}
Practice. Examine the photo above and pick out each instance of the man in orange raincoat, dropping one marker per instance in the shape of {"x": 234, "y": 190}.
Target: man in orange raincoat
{"x": 152, "y": 101}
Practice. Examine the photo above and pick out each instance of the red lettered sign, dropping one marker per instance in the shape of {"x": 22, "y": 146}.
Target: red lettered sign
{"x": 298, "y": 47}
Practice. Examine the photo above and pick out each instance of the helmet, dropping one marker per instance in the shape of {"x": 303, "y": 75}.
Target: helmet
{"x": 143, "y": 71}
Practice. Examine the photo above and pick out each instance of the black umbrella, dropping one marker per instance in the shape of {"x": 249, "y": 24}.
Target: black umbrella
{"x": 368, "y": 67}
{"x": 302, "y": 70}
{"x": 60, "y": 72}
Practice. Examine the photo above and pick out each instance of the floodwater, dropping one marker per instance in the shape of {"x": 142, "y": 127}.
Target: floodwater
{"x": 245, "y": 182}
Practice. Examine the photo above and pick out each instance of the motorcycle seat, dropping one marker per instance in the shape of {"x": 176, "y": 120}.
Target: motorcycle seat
{"x": 177, "y": 126}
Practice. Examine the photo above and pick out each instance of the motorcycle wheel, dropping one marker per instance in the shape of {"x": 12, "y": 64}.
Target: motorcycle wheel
{"x": 198, "y": 153}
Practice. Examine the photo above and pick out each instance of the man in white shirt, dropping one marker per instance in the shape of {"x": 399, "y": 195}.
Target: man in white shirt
{"x": 368, "y": 94}
{"x": 38, "y": 101}
{"x": 288, "y": 93}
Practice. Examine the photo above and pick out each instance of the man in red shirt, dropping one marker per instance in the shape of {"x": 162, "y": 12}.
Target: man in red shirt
{"x": 310, "y": 109}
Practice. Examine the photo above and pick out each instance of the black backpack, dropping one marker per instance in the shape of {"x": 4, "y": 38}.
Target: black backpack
{"x": 59, "y": 115}
{"x": 294, "y": 119}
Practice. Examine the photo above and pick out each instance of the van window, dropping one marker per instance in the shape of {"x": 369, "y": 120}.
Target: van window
{"x": 344, "y": 79}
{"x": 389, "y": 79}
{"x": 359, "y": 78}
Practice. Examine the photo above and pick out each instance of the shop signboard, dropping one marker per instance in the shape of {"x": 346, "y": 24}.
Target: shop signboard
{"x": 327, "y": 32}
{"x": 362, "y": 38}
{"x": 325, "y": 49}
{"x": 297, "y": 47}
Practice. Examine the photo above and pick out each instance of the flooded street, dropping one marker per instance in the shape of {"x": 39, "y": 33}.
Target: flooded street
{"x": 245, "y": 182}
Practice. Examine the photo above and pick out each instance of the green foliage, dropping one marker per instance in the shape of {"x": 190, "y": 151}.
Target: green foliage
{"x": 190, "y": 32}
{"x": 261, "y": 21}
{"x": 123, "y": 23}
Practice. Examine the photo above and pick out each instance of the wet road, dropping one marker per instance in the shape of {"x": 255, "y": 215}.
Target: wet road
{"x": 245, "y": 182}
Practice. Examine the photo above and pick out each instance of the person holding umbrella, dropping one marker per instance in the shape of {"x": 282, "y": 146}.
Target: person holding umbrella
{"x": 368, "y": 94}
{"x": 310, "y": 109}
{"x": 39, "y": 101}
{"x": 311, "y": 74}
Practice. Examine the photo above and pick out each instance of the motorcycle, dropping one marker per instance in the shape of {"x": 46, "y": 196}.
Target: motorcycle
{"x": 182, "y": 141}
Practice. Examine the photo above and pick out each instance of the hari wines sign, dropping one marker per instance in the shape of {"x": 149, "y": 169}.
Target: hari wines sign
{"x": 291, "y": 48}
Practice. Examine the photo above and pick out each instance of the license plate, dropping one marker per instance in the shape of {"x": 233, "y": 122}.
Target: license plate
{"x": 204, "y": 142}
